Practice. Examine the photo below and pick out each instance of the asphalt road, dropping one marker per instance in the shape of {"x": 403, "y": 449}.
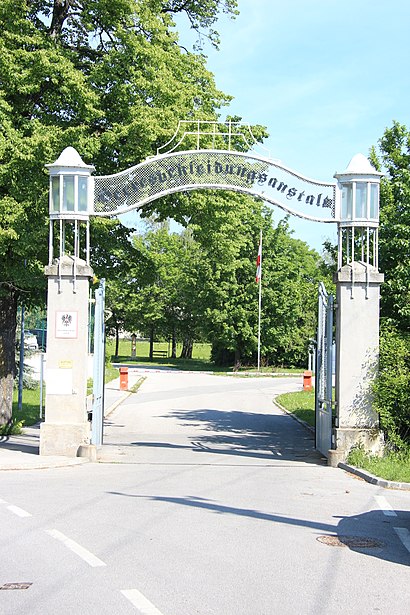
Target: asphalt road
{"x": 208, "y": 501}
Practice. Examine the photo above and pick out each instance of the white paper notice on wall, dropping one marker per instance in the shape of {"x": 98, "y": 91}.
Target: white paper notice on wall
{"x": 59, "y": 381}
{"x": 67, "y": 325}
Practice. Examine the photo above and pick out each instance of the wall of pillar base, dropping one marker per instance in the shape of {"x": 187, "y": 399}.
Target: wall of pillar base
{"x": 63, "y": 439}
{"x": 371, "y": 440}
{"x": 66, "y": 427}
{"x": 357, "y": 343}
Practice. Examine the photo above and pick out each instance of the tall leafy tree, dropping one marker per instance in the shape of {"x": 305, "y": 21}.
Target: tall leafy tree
{"x": 394, "y": 243}
{"x": 291, "y": 275}
{"x": 108, "y": 77}
{"x": 392, "y": 384}
{"x": 164, "y": 301}
{"x": 227, "y": 227}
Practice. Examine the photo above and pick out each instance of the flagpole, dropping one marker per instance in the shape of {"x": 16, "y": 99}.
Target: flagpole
{"x": 260, "y": 302}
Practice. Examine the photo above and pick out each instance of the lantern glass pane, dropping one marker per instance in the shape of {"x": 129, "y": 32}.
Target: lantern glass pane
{"x": 347, "y": 201}
{"x": 55, "y": 193}
{"x": 82, "y": 193}
{"x": 68, "y": 193}
{"x": 361, "y": 200}
{"x": 374, "y": 201}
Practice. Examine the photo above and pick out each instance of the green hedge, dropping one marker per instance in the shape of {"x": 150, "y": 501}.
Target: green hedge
{"x": 392, "y": 386}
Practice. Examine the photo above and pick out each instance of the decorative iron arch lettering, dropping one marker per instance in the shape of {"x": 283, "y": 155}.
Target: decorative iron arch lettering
{"x": 214, "y": 169}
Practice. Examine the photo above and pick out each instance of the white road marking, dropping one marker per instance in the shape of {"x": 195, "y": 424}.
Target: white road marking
{"x": 404, "y": 536}
{"x": 140, "y": 602}
{"x": 3, "y": 501}
{"x": 18, "y": 511}
{"x": 86, "y": 555}
{"x": 385, "y": 506}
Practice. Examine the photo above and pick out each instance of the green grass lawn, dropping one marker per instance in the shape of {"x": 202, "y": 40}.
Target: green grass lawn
{"x": 183, "y": 364}
{"x": 30, "y": 411}
{"x": 301, "y": 404}
{"x": 201, "y": 358}
{"x": 201, "y": 352}
{"x": 392, "y": 466}
{"x": 200, "y": 361}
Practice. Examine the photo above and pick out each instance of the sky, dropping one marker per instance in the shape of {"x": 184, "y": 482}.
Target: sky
{"x": 325, "y": 77}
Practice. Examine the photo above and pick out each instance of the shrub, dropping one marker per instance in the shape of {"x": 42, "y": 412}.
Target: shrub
{"x": 392, "y": 386}
{"x": 12, "y": 427}
{"x": 29, "y": 382}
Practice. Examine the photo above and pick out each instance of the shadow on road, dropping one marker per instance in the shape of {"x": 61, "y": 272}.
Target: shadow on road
{"x": 369, "y": 528}
{"x": 244, "y": 434}
{"x": 26, "y": 442}
{"x": 23, "y": 447}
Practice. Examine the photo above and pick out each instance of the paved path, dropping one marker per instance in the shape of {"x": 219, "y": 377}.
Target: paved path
{"x": 21, "y": 452}
{"x": 180, "y": 417}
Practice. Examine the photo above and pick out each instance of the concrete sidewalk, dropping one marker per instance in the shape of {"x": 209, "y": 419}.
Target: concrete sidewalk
{"x": 22, "y": 452}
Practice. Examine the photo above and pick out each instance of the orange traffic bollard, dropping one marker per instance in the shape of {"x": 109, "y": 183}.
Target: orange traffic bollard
{"x": 307, "y": 380}
{"x": 123, "y": 378}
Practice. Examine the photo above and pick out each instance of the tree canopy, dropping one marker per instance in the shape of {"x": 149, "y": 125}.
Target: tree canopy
{"x": 394, "y": 242}
{"x": 393, "y": 382}
{"x": 109, "y": 77}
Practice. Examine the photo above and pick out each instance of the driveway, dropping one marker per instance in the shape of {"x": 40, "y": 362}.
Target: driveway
{"x": 180, "y": 417}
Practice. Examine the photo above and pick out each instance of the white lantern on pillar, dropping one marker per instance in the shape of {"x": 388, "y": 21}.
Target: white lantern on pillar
{"x": 358, "y": 211}
{"x": 71, "y": 199}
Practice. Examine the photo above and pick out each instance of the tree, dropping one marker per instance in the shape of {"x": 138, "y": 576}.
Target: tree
{"x": 392, "y": 384}
{"x": 226, "y": 226}
{"x": 394, "y": 241}
{"x": 109, "y": 77}
{"x": 164, "y": 298}
{"x": 291, "y": 274}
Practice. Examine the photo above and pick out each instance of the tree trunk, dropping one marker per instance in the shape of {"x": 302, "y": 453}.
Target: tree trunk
{"x": 61, "y": 9}
{"x": 237, "y": 359}
{"x": 151, "y": 343}
{"x": 117, "y": 339}
{"x": 187, "y": 347}
{"x": 174, "y": 345}
{"x": 8, "y": 324}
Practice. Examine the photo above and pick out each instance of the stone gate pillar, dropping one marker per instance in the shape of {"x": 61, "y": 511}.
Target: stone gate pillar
{"x": 357, "y": 310}
{"x": 66, "y": 426}
{"x": 357, "y": 344}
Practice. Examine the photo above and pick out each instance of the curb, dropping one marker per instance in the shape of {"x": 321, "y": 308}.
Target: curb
{"x": 43, "y": 464}
{"x": 117, "y": 403}
{"x": 175, "y": 369}
{"x": 295, "y": 418}
{"x": 369, "y": 478}
{"x": 18, "y": 460}
{"x": 127, "y": 394}
{"x": 374, "y": 480}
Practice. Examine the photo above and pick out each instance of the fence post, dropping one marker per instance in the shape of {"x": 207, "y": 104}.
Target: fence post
{"x": 98, "y": 367}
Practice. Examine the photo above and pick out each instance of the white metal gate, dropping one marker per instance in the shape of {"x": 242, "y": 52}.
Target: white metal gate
{"x": 99, "y": 363}
{"x": 323, "y": 377}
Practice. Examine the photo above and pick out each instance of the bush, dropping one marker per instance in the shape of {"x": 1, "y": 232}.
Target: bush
{"x": 29, "y": 382}
{"x": 221, "y": 356}
{"x": 12, "y": 427}
{"x": 392, "y": 386}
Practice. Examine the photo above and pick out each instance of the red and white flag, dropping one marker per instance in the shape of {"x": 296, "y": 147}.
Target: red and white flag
{"x": 259, "y": 262}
